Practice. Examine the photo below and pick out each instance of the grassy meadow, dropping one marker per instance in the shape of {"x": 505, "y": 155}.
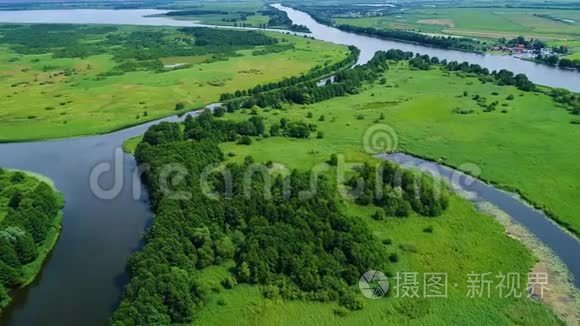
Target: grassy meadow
{"x": 528, "y": 144}
{"x": 419, "y": 106}
{"x": 484, "y": 23}
{"x": 42, "y": 99}
{"x": 463, "y": 241}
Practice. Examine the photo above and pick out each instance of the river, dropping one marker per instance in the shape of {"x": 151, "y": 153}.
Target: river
{"x": 82, "y": 280}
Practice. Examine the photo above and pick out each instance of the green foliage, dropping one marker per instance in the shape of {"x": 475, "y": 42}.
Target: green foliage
{"x": 399, "y": 191}
{"x": 245, "y": 140}
{"x": 29, "y": 208}
{"x": 295, "y": 247}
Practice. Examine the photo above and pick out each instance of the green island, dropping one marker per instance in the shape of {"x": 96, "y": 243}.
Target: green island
{"x": 231, "y": 254}
{"x": 62, "y": 80}
{"x": 30, "y": 223}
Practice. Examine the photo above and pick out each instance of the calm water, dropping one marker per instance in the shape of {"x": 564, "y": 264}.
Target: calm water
{"x": 538, "y": 73}
{"x": 83, "y": 279}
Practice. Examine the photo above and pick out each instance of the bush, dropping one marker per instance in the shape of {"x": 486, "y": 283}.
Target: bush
{"x": 428, "y": 229}
{"x": 320, "y": 135}
{"x": 270, "y": 292}
{"x": 219, "y": 112}
{"x": 393, "y": 258}
{"x": 229, "y": 282}
{"x": 340, "y": 311}
{"x": 245, "y": 140}
{"x": 388, "y": 242}
{"x": 179, "y": 106}
{"x": 350, "y": 302}
{"x": 333, "y": 161}
{"x": 379, "y": 215}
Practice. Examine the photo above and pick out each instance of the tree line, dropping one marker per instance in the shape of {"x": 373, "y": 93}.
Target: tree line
{"x": 29, "y": 214}
{"x": 305, "y": 90}
{"x": 445, "y": 42}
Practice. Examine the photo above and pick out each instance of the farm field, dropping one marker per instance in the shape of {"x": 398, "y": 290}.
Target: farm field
{"x": 53, "y": 97}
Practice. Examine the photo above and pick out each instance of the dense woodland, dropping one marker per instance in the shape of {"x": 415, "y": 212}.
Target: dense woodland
{"x": 132, "y": 50}
{"x": 28, "y": 211}
{"x": 293, "y": 246}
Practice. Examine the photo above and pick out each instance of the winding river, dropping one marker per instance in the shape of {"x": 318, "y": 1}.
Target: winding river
{"x": 82, "y": 280}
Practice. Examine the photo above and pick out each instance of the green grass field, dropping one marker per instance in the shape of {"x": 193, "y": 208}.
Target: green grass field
{"x": 419, "y": 105}
{"x": 482, "y": 23}
{"x": 39, "y": 101}
{"x": 531, "y": 147}
{"x": 463, "y": 241}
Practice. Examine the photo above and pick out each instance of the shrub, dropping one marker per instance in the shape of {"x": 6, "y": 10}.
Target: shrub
{"x": 379, "y": 215}
{"x": 219, "y": 112}
{"x": 270, "y": 292}
{"x": 388, "y": 242}
{"x": 428, "y": 229}
{"x": 350, "y": 302}
{"x": 229, "y": 282}
{"x": 245, "y": 140}
{"x": 320, "y": 135}
{"x": 179, "y": 106}
{"x": 333, "y": 161}
{"x": 340, "y": 311}
{"x": 393, "y": 258}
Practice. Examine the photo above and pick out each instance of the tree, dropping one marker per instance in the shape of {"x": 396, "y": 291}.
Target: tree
{"x": 219, "y": 112}
{"x": 179, "y": 106}
{"x": 9, "y": 276}
{"x": 333, "y": 161}
{"x": 298, "y": 130}
{"x": 243, "y": 272}
{"x": 15, "y": 200}
{"x": 26, "y": 248}
{"x": 4, "y": 297}
{"x": 245, "y": 140}
{"x": 275, "y": 130}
